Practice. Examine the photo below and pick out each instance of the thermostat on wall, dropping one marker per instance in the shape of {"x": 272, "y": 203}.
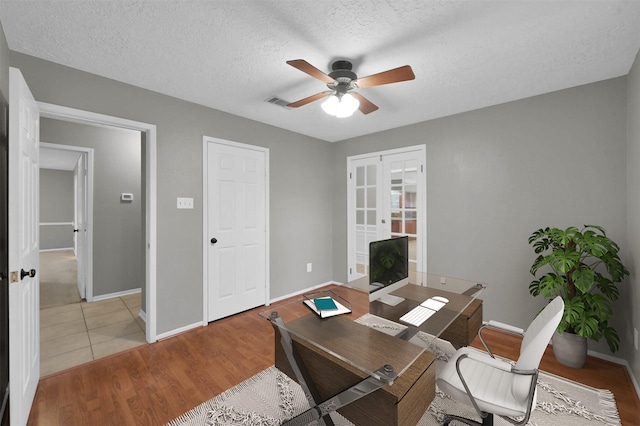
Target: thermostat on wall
{"x": 126, "y": 196}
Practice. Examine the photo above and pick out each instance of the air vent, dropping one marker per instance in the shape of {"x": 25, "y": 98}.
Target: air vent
{"x": 277, "y": 101}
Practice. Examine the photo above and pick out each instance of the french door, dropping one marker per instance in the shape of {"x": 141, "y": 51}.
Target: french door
{"x": 386, "y": 198}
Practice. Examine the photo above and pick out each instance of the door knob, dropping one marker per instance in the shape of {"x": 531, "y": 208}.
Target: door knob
{"x": 30, "y": 274}
{"x": 214, "y": 240}
{"x": 76, "y": 230}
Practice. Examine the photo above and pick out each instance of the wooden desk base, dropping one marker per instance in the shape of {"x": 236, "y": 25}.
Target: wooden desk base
{"x": 402, "y": 403}
{"x": 465, "y": 328}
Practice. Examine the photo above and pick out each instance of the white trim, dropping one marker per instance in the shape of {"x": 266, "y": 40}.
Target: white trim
{"x": 116, "y": 294}
{"x": 143, "y": 315}
{"x": 422, "y": 148}
{"x": 56, "y": 223}
{"x": 85, "y": 117}
{"x": 619, "y": 361}
{"x": 179, "y": 330}
{"x": 56, "y": 249}
{"x": 298, "y": 293}
{"x": 205, "y": 216}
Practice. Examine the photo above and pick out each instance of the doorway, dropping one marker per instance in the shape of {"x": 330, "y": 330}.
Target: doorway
{"x": 72, "y": 331}
{"x": 66, "y": 233}
{"x": 148, "y": 132}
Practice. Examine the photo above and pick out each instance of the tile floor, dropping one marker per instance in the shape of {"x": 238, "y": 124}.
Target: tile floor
{"x": 73, "y": 334}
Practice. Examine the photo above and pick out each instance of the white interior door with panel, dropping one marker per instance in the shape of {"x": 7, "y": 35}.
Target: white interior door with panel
{"x": 386, "y": 198}
{"x": 236, "y": 246}
{"x": 363, "y": 207}
{"x": 24, "y": 281}
{"x": 403, "y": 212}
{"x": 80, "y": 227}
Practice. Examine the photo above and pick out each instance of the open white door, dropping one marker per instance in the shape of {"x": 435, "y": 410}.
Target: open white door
{"x": 80, "y": 229}
{"x": 24, "y": 286}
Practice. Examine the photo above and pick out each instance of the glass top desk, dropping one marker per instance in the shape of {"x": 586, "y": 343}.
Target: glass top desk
{"x": 457, "y": 294}
{"x": 370, "y": 359}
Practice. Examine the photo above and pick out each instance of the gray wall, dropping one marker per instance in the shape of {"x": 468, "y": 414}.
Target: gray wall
{"x": 118, "y": 263}
{"x": 631, "y": 295}
{"x": 497, "y": 174}
{"x": 56, "y": 205}
{"x": 4, "y": 64}
{"x": 300, "y": 183}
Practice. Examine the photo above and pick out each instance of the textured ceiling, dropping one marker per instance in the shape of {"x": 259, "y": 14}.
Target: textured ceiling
{"x": 230, "y": 55}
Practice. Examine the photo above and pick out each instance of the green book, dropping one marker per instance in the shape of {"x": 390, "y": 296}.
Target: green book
{"x": 325, "y": 304}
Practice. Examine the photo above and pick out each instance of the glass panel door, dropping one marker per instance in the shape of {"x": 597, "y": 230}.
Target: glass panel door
{"x": 401, "y": 183}
{"x": 364, "y": 220}
{"x": 386, "y": 198}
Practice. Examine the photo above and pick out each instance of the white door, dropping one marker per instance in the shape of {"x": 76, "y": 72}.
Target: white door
{"x": 80, "y": 228}
{"x": 24, "y": 286}
{"x": 364, "y": 191}
{"x": 237, "y": 228}
{"x": 402, "y": 212}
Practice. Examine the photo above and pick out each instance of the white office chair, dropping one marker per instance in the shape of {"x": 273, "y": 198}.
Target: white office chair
{"x": 493, "y": 386}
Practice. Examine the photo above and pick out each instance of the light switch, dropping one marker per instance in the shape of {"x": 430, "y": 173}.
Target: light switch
{"x": 185, "y": 203}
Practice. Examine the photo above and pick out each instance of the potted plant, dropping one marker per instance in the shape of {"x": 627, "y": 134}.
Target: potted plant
{"x": 583, "y": 267}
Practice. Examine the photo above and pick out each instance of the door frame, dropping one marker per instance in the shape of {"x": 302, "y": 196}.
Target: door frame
{"x": 351, "y": 201}
{"x": 88, "y": 264}
{"x": 73, "y": 115}
{"x": 206, "y": 140}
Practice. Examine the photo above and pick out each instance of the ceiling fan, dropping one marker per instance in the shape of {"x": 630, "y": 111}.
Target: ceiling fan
{"x": 342, "y": 82}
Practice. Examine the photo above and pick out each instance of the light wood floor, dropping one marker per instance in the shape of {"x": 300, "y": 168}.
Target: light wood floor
{"x": 153, "y": 384}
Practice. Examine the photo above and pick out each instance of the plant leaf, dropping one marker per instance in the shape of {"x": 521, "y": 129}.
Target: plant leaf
{"x": 583, "y": 279}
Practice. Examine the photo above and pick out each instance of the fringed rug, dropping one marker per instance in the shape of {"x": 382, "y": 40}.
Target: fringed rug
{"x": 270, "y": 397}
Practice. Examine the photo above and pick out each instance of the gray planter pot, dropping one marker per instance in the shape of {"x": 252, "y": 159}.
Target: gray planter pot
{"x": 569, "y": 349}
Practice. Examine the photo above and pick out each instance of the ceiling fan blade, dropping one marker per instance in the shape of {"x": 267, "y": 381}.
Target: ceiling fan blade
{"x": 309, "y": 99}
{"x": 386, "y": 77}
{"x": 314, "y": 72}
{"x": 366, "y": 106}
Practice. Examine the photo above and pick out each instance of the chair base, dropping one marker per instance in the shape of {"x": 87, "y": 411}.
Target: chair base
{"x": 486, "y": 421}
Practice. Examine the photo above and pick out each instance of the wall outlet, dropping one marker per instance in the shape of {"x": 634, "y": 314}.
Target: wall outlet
{"x": 443, "y": 280}
{"x": 635, "y": 338}
{"x": 185, "y": 203}
{"x": 309, "y": 267}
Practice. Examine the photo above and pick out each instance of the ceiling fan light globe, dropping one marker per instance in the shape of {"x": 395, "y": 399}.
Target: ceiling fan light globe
{"x": 330, "y": 106}
{"x": 349, "y": 103}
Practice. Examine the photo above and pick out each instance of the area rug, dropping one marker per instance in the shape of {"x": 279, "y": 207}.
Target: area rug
{"x": 270, "y": 397}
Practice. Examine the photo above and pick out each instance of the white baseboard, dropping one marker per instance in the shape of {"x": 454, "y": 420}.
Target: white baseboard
{"x": 298, "y": 293}
{"x": 143, "y": 315}
{"x": 56, "y": 249}
{"x": 178, "y": 330}
{"x": 116, "y": 294}
{"x": 619, "y": 361}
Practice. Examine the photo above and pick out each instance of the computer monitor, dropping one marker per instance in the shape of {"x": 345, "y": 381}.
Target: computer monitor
{"x": 388, "y": 269}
